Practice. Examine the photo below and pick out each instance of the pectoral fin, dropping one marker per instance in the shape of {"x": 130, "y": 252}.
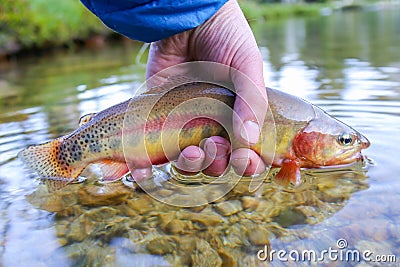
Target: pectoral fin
{"x": 112, "y": 170}
{"x": 289, "y": 173}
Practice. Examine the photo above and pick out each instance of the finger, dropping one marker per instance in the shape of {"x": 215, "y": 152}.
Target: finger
{"x": 229, "y": 31}
{"x": 163, "y": 54}
{"x": 251, "y": 101}
{"x": 246, "y": 162}
{"x": 191, "y": 160}
{"x": 217, "y": 150}
{"x": 141, "y": 174}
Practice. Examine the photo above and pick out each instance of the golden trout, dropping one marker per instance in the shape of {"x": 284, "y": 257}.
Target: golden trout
{"x": 153, "y": 128}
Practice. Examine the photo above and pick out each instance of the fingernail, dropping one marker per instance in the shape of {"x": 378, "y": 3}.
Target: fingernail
{"x": 191, "y": 164}
{"x": 241, "y": 163}
{"x": 192, "y": 155}
{"x": 216, "y": 150}
{"x": 250, "y": 132}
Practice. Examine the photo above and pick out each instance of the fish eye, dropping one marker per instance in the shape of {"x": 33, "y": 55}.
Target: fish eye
{"x": 345, "y": 139}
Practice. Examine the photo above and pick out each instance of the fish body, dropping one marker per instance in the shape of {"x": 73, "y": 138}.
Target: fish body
{"x": 153, "y": 128}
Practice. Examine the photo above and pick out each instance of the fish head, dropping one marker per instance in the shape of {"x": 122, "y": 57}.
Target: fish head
{"x": 326, "y": 141}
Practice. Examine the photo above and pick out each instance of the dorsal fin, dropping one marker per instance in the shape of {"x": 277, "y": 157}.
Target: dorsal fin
{"x": 86, "y": 118}
{"x": 170, "y": 83}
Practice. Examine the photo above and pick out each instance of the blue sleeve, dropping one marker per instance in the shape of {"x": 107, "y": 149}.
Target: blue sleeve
{"x": 150, "y": 21}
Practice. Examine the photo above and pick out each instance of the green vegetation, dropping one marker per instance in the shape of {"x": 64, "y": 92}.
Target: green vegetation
{"x": 34, "y": 23}
{"x": 253, "y": 10}
{"x": 41, "y": 23}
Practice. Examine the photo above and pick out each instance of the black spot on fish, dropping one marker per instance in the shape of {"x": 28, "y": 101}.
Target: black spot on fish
{"x": 153, "y": 137}
{"x": 95, "y": 147}
{"x": 114, "y": 143}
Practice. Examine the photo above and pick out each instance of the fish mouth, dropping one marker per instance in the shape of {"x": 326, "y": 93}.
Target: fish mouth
{"x": 341, "y": 166}
{"x": 356, "y": 156}
{"x": 365, "y": 143}
{"x": 347, "y": 156}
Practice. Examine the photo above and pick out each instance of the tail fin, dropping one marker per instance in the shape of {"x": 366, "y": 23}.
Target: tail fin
{"x": 46, "y": 161}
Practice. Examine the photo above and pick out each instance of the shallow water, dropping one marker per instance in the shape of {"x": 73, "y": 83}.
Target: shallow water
{"x": 347, "y": 63}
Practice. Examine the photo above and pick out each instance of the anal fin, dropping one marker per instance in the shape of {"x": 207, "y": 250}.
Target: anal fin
{"x": 112, "y": 170}
{"x": 289, "y": 173}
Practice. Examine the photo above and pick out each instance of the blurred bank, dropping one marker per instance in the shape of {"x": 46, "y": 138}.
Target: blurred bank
{"x": 41, "y": 24}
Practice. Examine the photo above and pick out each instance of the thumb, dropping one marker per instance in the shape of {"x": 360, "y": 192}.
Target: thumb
{"x": 251, "y": 102}
{"x": 163, "y": 55}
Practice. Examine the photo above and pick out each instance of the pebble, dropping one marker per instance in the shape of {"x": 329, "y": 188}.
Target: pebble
{"x": 175, "y": 227}
{"x": 206, "y": 219}
{"x": 228, "y": 208}
{"x": 204, "y": 255}
{"x": 164, "y": 192}
{"x": 228, "y": 258}
{"x": 250, "y": 202}
{"x": 162, "y": 245}
{"x": 259, "y": 236}
{"x": 78, "y": 229}
{"x": 94, "y": 195}
{"x": 52, "y": 202}
{"x": 225, "y": 233}
{"x": 101, "y": 214}
{"x": 140, "y": 205}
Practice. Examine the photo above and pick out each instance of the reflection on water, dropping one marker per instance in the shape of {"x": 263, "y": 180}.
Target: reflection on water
{"x": 347, "y": 63}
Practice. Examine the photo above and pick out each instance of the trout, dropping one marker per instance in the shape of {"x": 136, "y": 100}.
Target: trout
{"x": 154, "y": 127}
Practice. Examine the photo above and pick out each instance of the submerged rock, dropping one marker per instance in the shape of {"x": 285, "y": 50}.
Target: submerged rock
{"x": 228, "y": 208}
{"x": 177, "y": 227}
{"x": 112, "y": 194}
{"x": 53, "y": 202}
{"x": 204, "y": 255}
{"x": 259, "y": 236}
{"x": 228, "y": 257}
{"x": 227, "y": 232}
{"x": 250, "y": 202}
{"x": 162, "y": 245}
{"x": 290, "y": 217}
{"x": 140, "y": 205}
{"x": 203, "y": 218}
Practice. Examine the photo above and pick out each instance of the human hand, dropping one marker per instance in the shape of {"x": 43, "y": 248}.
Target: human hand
{"x": 225, "y": 38}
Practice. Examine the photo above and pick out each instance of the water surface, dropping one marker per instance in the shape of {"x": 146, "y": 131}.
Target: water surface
{"x": 347, "y": 63}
